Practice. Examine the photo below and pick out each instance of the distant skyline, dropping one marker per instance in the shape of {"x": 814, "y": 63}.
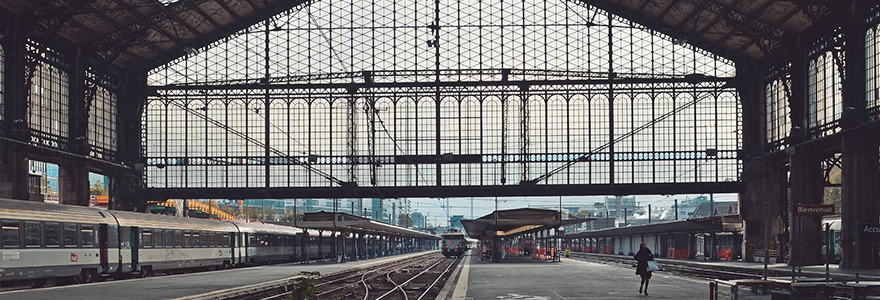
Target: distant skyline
{"x": 431, "y": 207}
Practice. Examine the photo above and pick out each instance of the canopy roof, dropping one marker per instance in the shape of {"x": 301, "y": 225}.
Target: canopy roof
{"x": 705, "y": 225}
{"x": 516, "y": 221}
{"x": 323, "y": 220}
{"x": 149, "y": 33}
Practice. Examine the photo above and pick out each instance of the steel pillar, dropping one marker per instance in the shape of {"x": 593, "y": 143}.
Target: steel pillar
{"x": 806, "y": 176}
{"x": 859, "y": 152}
{"x": 13, "y": 162}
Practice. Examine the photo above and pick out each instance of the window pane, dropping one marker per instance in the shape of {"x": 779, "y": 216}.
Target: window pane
{"x": 178, "y": 238}
{"x": 88, "y": 235}
{"x": 53, "y": 234}
{"x": 10, "y": 234}
{"x": 32, "y": 234}
{"x": 157, "y": 238}
{"x": 70, "y": 236}
{"x": 169, "y": 238}
{"x": 187, "y": 239}
{"x": 147, "y": 238}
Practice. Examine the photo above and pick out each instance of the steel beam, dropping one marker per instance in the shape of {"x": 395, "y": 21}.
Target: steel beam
{"x": 443, "y": 191}
{"x": 694, "y": 79}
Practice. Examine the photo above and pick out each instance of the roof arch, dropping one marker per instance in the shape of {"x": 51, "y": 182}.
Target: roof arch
{"x": 385, "y": 41}
{"x": 149, "y": 33}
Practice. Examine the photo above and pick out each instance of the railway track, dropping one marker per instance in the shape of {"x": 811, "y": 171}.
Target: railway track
{"x": 418, "y": 277}
{"x": 413, "y": 279}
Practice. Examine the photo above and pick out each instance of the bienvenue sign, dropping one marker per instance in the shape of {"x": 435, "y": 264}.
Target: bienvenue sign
{"x": 814, "y": 210}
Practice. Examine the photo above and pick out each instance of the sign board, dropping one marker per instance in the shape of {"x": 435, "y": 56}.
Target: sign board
{"x": 870, "y": 229}
{"x": 814, "y": 210}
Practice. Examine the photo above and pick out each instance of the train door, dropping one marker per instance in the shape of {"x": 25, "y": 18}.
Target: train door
{"x": 135, "y": 245}
{"x": 102, "y": 244}
{"x": 245, "y": 241}
{"x": 230, "y": 239}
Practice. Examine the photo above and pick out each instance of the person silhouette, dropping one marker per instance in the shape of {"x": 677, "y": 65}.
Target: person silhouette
{"x": 642, "y": 257}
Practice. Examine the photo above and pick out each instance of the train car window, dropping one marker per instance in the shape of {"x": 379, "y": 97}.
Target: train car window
{"x": 32, "y": 237}
{"x": 147, "y": 238}
{"x": 157, "y": 238}
{"x": 187, "y": 239}
{"x": 212, "y": 239}
{"x": 10, "y": 234}
{"x": 53, "y": 234}
{"x": 196, "y": 239}
{"x": 178, "y": 238}
{"x": 88, "y": 236}
{"x": 71, "y": 238}
{"x": 225, "y": 241}
{"x": 169, "y": 238}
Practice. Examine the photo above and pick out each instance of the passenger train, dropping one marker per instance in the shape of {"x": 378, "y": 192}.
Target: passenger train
{"x": 455, "y": 243}
{"x": 43, "y": 242}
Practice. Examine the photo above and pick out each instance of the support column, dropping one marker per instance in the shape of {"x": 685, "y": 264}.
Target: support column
{"x": 13, "y": 161}
{"x": 806, "y": 177}
{"x": 340, "y": 255}
{"x": 807, "y": 187}
{"x": 13, "y": 173}
{"x": 74, "y": 182}
{"x": 761, "y": 202}
{"x": 357, "y": 247}
{"x": 859, "y": 153}
{"x": 320, "y": 245}
{"x": 73, "y": 171}
{"x": 126, "y": 185}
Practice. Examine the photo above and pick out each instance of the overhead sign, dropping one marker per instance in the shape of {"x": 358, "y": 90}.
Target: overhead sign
{"x": 870, "y": 229}
{"x": 814, "y": 210}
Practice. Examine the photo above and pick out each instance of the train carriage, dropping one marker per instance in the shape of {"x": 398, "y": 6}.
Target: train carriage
{"x": 259, "y": 243}
{"x": 41, "y": 240}
{"x": 151, "y": 243}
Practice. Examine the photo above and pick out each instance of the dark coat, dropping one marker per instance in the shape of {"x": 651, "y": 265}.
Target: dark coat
{"x": 642, "y": 258}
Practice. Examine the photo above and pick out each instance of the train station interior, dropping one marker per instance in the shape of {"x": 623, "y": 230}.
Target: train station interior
{"x": 198, "y": 108}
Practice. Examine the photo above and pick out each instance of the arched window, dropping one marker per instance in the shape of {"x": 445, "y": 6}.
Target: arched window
{"x": 102, "y": 123}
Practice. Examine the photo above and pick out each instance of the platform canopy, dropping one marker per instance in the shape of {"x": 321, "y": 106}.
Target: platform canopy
{"x": 516, "y": 221}
{"x": 323, "y": 220}
{"x": 716, "y": 224}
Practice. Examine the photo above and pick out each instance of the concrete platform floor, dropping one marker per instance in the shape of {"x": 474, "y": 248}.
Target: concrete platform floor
{"x": 523, "y": 278}
{"x": 184, "y": 285}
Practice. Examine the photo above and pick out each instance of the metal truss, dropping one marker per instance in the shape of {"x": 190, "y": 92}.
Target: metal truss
{"x": 346, "y": 98}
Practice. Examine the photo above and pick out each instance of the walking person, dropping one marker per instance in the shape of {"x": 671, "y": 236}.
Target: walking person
{"x": 642, "y": 257}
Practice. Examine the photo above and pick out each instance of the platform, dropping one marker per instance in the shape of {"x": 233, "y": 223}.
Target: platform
{"x": 810, "y": 272}
{"x": 525, "y": 278}
{"x": 184, "y": 285}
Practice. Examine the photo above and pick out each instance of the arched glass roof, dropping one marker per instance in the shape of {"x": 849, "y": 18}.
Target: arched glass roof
{"x": 478, "y": 39}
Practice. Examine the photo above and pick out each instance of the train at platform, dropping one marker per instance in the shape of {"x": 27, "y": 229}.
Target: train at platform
{"x": 44, "y": 243}
{"x": 454, "y": 243}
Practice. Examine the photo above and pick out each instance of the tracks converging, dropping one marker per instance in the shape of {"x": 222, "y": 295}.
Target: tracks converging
{"x": 414, "y": 278}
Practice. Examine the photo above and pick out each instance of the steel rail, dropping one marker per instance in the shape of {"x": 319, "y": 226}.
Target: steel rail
{"x": 378, "y": 268}
{"x": 429, "y": 287}
{"x": 400, "y": 286}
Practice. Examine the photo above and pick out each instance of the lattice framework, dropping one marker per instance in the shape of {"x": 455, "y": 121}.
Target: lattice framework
{"x": 378, "y": 93}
